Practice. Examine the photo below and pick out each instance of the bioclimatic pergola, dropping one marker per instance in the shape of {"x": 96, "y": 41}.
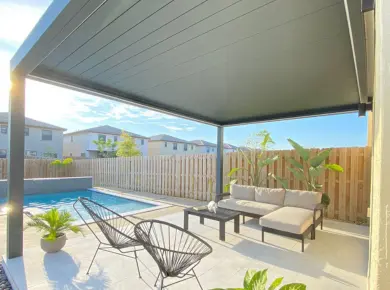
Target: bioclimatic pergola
{"x": 220, "y": 62}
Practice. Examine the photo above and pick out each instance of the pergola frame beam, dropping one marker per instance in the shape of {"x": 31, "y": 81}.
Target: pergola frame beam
{"x": 16, "y": 123}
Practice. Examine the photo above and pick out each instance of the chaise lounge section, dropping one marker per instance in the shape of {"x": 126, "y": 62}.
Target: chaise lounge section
{"x": 291, "y": 213}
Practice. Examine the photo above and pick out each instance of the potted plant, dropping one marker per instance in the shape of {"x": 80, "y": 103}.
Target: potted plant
{"x": 53, "y": 224}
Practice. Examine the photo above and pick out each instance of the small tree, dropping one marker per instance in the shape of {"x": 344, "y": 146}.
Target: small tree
{"x": 106, "y": 148}
{"x": 127, "y": 147}
{"x": 311, "y": 168}
{"x": 255, "y": 155}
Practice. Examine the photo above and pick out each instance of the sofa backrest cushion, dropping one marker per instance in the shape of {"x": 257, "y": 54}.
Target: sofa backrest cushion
{"x": 270, "y": 195}
{"x": 302, "y": 199}
{"x": 242, "y": 192}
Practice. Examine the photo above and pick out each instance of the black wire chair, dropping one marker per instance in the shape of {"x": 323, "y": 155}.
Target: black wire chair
{"x": 176, "y": 251}
{"x": 118, "y": 230}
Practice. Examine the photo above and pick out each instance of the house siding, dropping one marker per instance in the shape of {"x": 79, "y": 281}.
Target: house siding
{"x": 34, "y": 142}
{"x": 84, "y": 143}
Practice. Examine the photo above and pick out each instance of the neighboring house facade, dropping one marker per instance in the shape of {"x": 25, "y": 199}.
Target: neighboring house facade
{"x": 169, "y": 145}
{"x": 42, "y": 140}
{"x": 81, "y": 143}
{"x": 203, "y": 146}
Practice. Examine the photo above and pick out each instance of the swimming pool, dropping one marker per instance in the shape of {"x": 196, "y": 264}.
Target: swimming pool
{"x": 65, "y": 201}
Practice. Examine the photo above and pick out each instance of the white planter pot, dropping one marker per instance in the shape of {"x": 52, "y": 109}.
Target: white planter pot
{"x": 53, "y": 246}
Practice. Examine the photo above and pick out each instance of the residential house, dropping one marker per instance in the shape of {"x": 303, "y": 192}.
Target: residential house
{"x": 208, "y": 147}
{"x": 81, "y": 143}
{"x": 168, "y": 145}
{"x": 41, "y": 139}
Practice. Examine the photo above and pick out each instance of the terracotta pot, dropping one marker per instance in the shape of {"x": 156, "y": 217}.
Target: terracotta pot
{"x": 53, "y": 246}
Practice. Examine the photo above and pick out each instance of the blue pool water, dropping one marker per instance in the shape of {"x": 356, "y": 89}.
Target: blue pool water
{"x": 65, "y": 201}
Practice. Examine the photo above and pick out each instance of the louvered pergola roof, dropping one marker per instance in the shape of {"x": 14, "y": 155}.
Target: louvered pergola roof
{"x": 222, "y": 62}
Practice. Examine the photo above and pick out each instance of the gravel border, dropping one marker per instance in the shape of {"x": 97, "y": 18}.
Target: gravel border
{"x": 4, "y": 284}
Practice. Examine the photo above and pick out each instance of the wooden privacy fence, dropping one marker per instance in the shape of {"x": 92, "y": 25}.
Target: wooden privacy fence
{"x": 193, "y": 176}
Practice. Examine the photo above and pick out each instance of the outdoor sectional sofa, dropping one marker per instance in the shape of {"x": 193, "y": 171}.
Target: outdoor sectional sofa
{"x": 291, "y": 213}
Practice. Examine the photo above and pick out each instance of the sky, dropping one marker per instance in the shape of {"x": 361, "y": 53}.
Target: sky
{"x": 77, "y": 111}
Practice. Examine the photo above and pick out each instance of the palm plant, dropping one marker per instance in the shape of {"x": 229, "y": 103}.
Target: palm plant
{"x": 257, "y": 280}
{"x": 255, "y": 155}
{"x": 53, "y": 223}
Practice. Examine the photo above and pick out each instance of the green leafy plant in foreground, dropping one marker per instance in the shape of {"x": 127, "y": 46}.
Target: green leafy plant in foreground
{"x": 311, "y": 168}
{"x": 53, "y": 223}
{"x": 257, "y": 280}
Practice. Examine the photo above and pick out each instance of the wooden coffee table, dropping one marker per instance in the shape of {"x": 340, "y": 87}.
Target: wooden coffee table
{"x": 222, "y": 215}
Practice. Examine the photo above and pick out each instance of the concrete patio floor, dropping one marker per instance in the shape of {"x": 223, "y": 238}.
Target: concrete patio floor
{"x": 337, "y": 259}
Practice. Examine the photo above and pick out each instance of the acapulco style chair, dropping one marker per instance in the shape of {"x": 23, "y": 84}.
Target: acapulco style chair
{"x": 176, "y": 251}
{"x": 118, "y": 230}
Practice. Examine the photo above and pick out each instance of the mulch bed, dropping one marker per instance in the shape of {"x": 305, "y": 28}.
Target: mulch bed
{"x": 4, "y": 284}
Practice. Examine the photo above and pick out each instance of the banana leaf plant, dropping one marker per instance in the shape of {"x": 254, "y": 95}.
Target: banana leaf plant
{"x": 257, "y": 280}
{"x": 257, "y": 159}
{"x": 311, "y": 168}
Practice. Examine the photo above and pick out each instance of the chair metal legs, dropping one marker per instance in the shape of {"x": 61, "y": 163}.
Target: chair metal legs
{"x": 136, "y": 261}
{"x": 121, "y": 254}
{"x": 93, "y": 259}
{"x": 161, "y": 286}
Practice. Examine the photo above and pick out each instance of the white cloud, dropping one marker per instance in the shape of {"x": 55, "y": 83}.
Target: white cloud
{"x": 153, "y": 115}
{"x": 177, "y": 128}
{"x": 16, "y": 21}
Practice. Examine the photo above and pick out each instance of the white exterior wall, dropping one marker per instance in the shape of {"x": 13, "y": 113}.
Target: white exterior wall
{"x": 158, "y": 148}
{"x": 34, "y": 142}
{"x": 83, "y": 143}
{"x": 379, "y": 259}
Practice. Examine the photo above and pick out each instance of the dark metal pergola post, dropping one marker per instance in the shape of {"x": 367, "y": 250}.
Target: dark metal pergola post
{"x": 219, "y": 169}
{"x": 16, "y": 167}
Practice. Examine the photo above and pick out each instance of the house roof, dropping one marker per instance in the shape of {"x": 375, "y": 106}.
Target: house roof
{"x": 167, "y": 138}
{"x": 31, "y": 122}
{"x": 209, "y": 144}
{"x": 220, "y": 63}
{"x": 106, "y": 129}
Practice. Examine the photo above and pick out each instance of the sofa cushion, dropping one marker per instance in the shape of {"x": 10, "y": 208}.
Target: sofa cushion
{"x": 270, "y": 195}
{"x": 303, "y": 199}
{"x": 248, "y": 206}
{"x": 242, "y": 192}
{"x": 289, "y": 219}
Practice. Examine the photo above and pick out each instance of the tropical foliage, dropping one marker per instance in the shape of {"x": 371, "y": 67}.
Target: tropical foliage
{"x": 53, "y": 223}
{"x": 311, "y": 168}
{"x": 257, "y": 280}
{"x": 255, "y": 155}
{"x": 127, "y": 146}
{"x": 106, "y": 148}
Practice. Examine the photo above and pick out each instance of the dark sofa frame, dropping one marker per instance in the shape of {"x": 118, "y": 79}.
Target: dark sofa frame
{"x": 310, "y": 230}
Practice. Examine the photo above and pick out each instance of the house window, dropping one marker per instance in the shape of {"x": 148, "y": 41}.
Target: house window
{"x": 70, "y": 154}
{"x": 26, "y": 131}
{"x": 31, "y": 153}
{"x": 185, "y": 146}
{"x": 102, "y": 137}
{"x": 83, "y": 155}
{"x": 166, "y": 144}
{"x": 3, "y": 153}
{"x": 115, "y": 138}
{"x": 50, "y": 155}
{"x": 4, "y": 129}
{"x": 208, "y": 149}
{"x": 47, "y": 135}
{"x": 143, "y": 142}
{"x": 212, "y": 149}
{"x": 71, "y": 138}
{"x": 192, "y": 147}
{"x": 174, "y": 146}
